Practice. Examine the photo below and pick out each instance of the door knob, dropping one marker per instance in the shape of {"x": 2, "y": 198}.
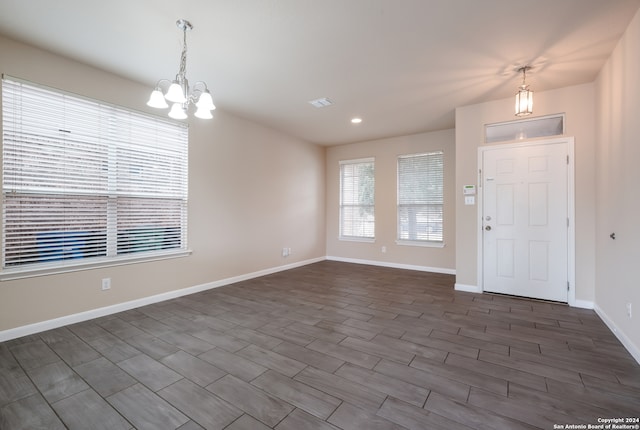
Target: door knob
{"x": 488, "y": 228}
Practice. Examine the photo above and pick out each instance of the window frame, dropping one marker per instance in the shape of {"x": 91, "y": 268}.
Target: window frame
{"x": 175, "y": 243}
{"x": 432, "y": 243}
{"x": 342, "y": 205}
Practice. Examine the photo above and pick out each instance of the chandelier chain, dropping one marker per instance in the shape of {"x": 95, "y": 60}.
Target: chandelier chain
{"x": 183, "y": 57}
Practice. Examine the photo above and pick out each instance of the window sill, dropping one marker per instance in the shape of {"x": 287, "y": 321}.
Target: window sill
{"x": 357, "y": 239}
{"x": 77, "y": 265}
{"x": 424, "y": 244}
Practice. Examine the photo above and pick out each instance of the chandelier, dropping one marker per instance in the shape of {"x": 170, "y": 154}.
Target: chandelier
{"x": 524, "y": 96}
{"x": 178, "y": 91}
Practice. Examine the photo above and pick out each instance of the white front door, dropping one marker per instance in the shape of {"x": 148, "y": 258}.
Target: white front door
{"x": 525, "y": 220}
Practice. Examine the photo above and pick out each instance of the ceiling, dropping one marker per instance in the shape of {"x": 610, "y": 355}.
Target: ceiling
{"x": 403, "y": 66}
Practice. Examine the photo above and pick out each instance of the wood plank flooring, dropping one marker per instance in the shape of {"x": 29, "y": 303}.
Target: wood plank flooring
{"x": 326, "y": 346}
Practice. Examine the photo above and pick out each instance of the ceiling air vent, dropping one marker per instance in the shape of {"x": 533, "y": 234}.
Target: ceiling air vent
{"x": 320, "y": 103}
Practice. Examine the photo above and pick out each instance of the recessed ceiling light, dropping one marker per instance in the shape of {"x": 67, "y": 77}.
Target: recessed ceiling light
{"x": 356, "y": 120}
{"x": 320, "y": 103}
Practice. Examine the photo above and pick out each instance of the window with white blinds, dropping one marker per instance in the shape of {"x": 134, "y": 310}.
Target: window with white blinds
{"x": 420, "y": 197}
{"x": 85, "y": 181}
{"x": 357, "y": 189}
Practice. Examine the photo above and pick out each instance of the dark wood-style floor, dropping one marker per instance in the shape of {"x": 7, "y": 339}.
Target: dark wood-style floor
{"x": 326, "y": 346}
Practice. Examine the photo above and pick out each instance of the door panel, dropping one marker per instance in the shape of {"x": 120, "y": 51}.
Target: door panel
{"x": 525, "y": 235}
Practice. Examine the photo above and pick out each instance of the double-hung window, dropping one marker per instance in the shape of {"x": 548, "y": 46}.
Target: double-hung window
{"x": 85, "y": 182}
{"x": 357, "y": 190}
{"x": 420, "y": 198}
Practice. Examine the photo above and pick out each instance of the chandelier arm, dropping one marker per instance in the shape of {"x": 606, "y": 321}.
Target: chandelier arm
{"x": 203, "y": 83}
{"x": 195, "y": 91}
{"x": 161, "y": 82}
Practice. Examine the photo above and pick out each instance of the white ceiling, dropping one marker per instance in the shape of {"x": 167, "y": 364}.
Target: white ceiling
{"x": 401, "y": 65}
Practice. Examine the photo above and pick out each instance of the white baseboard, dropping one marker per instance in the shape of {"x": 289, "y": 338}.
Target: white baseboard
{"x": 393, "y": 265}
{"x": 583, "y": 304}
{"x": 108, "y": 310}
{"x": 634, "y": 350}
{"x": 468, "y": 288}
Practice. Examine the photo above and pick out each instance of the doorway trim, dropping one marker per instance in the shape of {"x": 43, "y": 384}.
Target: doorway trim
{"x": 571, "y": 231}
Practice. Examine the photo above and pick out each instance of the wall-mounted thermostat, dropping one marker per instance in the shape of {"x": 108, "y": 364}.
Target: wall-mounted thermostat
{"x": 469, "y": 190}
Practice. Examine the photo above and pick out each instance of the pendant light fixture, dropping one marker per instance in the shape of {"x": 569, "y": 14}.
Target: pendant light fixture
{"x": 524, "y": 96}
{"x": 178, "y": 91}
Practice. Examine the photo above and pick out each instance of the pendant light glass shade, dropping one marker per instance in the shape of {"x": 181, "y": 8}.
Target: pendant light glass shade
{"x": 205, "y": 101}
{"x": 524, "y": 96}
{"x": 157, "y": 100}
{"x": 524, "y": 101}
{"x": 175, "y": 93}
{"x": 203, "y": 113}
{"x": 178, "y": 111}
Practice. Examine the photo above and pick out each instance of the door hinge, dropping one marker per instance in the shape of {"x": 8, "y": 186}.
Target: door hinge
{"x": 568, "y": 286}
{"x": 567, "y": 159}
{"x": 480, "y": 177}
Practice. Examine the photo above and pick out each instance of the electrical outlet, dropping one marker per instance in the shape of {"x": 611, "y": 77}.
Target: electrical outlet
{"x": 383, "y": 249}
{"x": 288, "y": 251}
{"x": 106, "y": 284}
{"x": 629, "y": 310}
{"x": 285, "y": 252}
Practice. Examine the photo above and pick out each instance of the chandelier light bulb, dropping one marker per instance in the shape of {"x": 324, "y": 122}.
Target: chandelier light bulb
{"x": 157, "y": 100}
{"x": 205, "y": 101}
{"x": 175, "y": 93}
{"x": 203, "y": 113}
{"x": 178, "y": 111}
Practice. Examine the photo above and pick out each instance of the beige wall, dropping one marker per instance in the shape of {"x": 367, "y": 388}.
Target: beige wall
{"x": 252, "y": 191}
{"x": 577, "y": 102}
{"x": 618, "y": 176}
{"x": 385, "y": 152}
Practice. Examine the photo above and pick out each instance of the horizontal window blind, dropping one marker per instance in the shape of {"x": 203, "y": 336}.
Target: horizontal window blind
{"x": 357, "y": 191}
{"x": 420, "y": 196}
{"x": 83, "y": 179}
